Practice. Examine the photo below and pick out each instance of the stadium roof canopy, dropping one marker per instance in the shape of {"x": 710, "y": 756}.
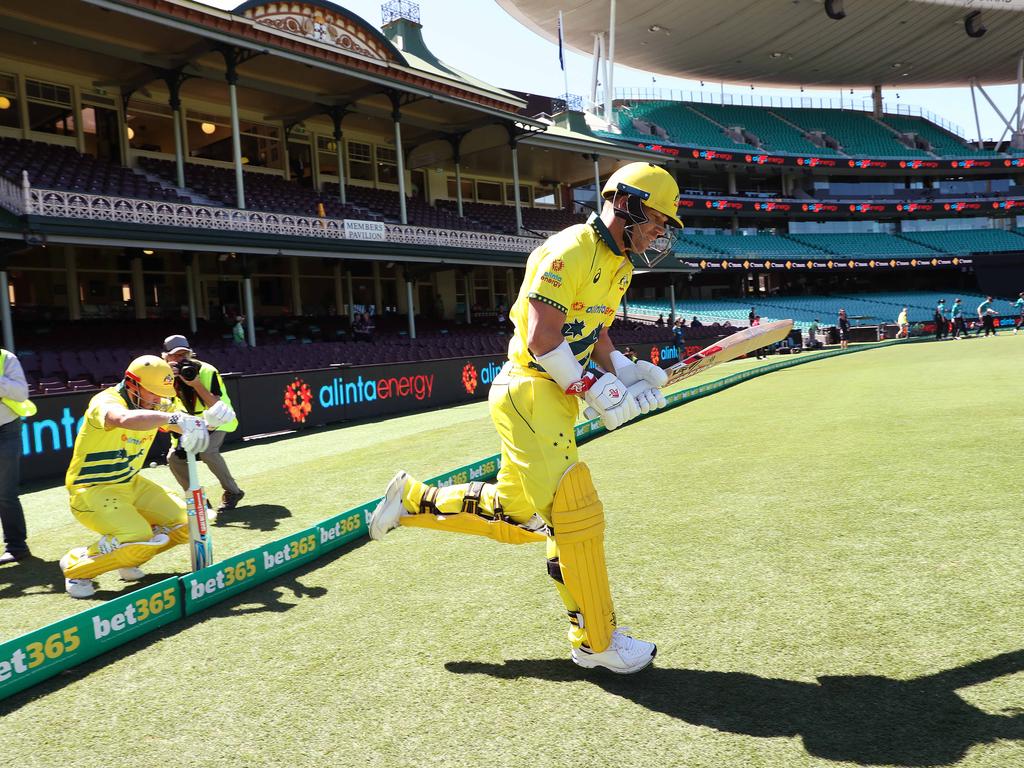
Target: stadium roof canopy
{"x": 795, "y": 42}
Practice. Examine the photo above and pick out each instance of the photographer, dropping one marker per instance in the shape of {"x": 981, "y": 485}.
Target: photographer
{"x": 201, "y": 391}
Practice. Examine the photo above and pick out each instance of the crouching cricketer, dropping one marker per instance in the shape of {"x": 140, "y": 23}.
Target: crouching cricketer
{"x": 573, "y": 284}
{"x": 135, "y": 517}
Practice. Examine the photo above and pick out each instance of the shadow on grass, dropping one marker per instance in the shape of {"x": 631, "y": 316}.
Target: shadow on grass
{"x": 253, "y": 517}
{"x": 33, "y": 575}
{"x": 861, "y": 719}
{"x": 267, "y": 597}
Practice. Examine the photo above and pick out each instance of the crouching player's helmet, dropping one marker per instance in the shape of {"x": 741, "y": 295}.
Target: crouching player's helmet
{"x": 645, "y": 184}
{"x": 149, "y": 383}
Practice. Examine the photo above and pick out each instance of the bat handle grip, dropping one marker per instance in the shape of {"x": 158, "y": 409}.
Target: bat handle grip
{"x": 590, "y": 413}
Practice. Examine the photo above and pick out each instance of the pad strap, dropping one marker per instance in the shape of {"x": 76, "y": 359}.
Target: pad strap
{"x": 471, "y": 499}
{"x": 427, "y": 506}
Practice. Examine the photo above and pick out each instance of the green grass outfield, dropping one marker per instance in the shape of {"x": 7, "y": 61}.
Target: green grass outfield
{"x": 830, "y": 558}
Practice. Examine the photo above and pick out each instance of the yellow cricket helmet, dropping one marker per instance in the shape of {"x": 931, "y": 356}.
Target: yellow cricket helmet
{"x": 649, "y": 182}
{"x": 152, "y": 374}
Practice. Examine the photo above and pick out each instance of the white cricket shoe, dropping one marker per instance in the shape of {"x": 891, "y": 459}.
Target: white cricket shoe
{"x": 131, "y": 574}
{"x": 387, "y": 513}
{"x": 624, "y": 655}
{"x": 80, "y": 588}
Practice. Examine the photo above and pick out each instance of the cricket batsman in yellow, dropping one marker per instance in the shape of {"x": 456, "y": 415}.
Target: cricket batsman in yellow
{"x": 135, "y": 517}
{"x": 573, "y": 285}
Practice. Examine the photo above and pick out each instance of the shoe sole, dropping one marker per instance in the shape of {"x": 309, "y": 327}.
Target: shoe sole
{"x": 392, "y": 494}
{"x": 580, "y": 662}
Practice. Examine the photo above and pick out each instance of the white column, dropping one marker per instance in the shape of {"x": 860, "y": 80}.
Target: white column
{"x": 202, "y": 309}
{"x": 341, "y": 168}
{"x": 293, "y": 264}
{"x": 604, "y": 78}
{"x": 250, "y": 321}
{"x": 515, "y": 182}
{"x": 351, "y": 295}
{"x": 876, "y": 101}
{"x": 71, "y": 281}
{"x": 468, "y": 276}
{"x": 138, "y": 288}
{"x": 190, "y": 290}
{"x": 236, "y": 145}
{"x": 400, "y": 157}
{"x": 179, "y": 149}
{"x": 594, "y": 72}
{"x": 977, "y": 121}
{"x": 5, "y": 312}
{"x": 732, "y": 182}
{"x": 458, "y": 187}
{"x": 672, "y": 300}
{"x": 339, "y": 296}
{"x": 378, "y": 293}
{"x": 610, "y": 75}
{"x": 410, "y": 308}
{"x": 597, "y": 185}
{"x": 490, "y": 285}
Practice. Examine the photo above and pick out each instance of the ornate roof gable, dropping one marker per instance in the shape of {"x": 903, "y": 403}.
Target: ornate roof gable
{"x": 324, "y": 23}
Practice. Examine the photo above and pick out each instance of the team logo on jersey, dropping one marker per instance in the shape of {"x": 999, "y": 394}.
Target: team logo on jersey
{"x": 597, "y": 276}
{"x": 623, "y": 282}
{"x": 557, "y": 265}
{"x": 577, "y": 306}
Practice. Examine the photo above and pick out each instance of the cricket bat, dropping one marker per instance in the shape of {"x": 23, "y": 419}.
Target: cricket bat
{"x": 200, "y": 543}
{"x": 729, "y": 348}
{"x": 740, "y": 343}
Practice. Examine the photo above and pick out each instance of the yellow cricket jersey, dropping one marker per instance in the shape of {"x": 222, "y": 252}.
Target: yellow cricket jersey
{"x": 581, "y": 272}
{"x": 104, "y": 455}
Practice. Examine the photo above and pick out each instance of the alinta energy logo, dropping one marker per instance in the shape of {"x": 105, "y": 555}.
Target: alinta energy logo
{"x": 298, "y": 401}
{"x": 469, "y": 378}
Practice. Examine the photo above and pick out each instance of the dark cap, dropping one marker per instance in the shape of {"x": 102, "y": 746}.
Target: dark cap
{"x": 176, "y": 344}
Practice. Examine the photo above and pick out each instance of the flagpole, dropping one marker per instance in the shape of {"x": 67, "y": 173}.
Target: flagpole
{"x": 561, "y": 59}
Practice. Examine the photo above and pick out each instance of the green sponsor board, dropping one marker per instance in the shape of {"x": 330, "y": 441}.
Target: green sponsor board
{"x": 40, "y": 654}
{"x": 217, "y": 582}
{"x": 478, "y": 471}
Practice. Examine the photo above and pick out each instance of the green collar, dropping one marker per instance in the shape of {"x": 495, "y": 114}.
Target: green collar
{"x": 602, "y": 230}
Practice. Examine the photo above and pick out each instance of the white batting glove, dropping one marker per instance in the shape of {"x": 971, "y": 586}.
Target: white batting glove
{"x": 643, "y": 379}
{"x": 612, "y": 401}
{"x": 195, "y": 435}
{"x": 218, "y": 414}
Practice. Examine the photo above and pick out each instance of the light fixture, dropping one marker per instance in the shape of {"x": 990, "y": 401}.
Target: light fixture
{"x": 834, "y": 9}
{"x": 148, "y": 251}
{"x": 5, "y": 103}
{"x": 777, "y": 54}
{"x": 655, "y": 28}
{"x": 245, "y": 160}
{"x": 208, "y": 128}
{"x": 131, "y": 133}
{"x": 973, "y": 25}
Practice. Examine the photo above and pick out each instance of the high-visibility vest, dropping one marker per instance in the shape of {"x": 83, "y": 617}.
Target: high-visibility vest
{"x": 20, "y": 407}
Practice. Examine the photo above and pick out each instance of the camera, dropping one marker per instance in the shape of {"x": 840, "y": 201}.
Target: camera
{"x": 188, "y": 369}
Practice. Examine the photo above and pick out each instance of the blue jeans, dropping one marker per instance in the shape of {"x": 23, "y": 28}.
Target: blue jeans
{"x": 12, "y": 516}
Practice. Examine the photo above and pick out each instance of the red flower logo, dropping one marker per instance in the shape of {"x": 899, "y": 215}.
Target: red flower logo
{"x": 298, "y": 401}
{"x": 655, "y": 355}
{"x": 469, "y": 378}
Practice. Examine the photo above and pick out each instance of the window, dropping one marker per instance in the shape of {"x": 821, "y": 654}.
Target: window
{"x": 524, "y": 194}
{"x": 150, "y": 126}
{"x": 488, "y": 191}
{"x": 209, "y": 137}
{"x": 49, "y": 108}
{"x": 327, "y": 154}
{"x": 10, "y": 115}
{"x": 360, "y": 161}
{"x": 387, "y": 166}
{"x": 550, "y": 199}
{"x": 467, "y": 188}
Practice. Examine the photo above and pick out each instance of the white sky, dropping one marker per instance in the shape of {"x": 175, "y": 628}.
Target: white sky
{"x": 479, "y": 38}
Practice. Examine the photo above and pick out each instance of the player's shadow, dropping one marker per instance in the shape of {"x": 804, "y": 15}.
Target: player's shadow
{"x": 32, "y": 575}
{"x": 860, "y": 719}
{"x": 253, "y": 517}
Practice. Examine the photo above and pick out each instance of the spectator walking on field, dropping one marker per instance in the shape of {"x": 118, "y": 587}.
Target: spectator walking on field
{"x": 812, "y": 334}
{"x": 959, "y": 326}
{"x": 238, "y": 332}
{"x": 1018, "y": 307}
